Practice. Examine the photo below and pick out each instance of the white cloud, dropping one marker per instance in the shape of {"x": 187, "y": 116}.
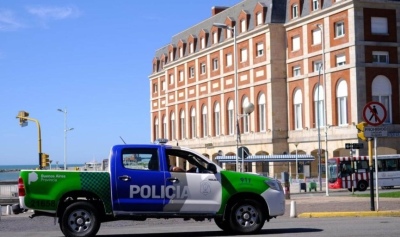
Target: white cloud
{"x": 54, "y": 13}
{"x": 8, "y": 22}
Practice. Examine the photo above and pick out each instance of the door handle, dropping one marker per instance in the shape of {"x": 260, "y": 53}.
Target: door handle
{"x": 173, "y": 179}
{"x": 124, "y": 178}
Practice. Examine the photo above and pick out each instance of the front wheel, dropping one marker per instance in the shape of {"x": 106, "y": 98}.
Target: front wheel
{"x": 80, "y": 219}
{"x": 246, "y": 217}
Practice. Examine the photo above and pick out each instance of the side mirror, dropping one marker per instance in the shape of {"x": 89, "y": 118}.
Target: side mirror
{"x": 211, "y": 167}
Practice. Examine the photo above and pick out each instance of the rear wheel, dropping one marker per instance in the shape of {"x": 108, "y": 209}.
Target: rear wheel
{"x": 362, "y": 186}
{"x": 246, "y": 217}
{"x": 80, "y": 219}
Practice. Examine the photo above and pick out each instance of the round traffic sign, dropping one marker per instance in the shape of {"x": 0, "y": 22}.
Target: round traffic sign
{"x": 374, "y": 113}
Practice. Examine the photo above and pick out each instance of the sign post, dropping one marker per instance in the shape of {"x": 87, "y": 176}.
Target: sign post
{"x": 374, "y": 114}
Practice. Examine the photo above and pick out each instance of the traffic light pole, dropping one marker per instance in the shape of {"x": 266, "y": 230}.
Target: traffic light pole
{"x": 371, "y": 174}
{"x": 39, "y": 137}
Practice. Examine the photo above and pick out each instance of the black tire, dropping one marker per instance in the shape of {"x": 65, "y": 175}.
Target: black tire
{"x": 362, "y": 186}
{"x": 246, "y": 217}
{"x": 80, "y": 219}
{"x": 222, "y": 224}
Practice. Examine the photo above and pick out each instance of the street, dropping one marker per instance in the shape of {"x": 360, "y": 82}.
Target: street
{"x": 281, "y": 227}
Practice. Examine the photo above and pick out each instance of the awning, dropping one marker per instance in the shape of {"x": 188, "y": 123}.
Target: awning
{"x": 266, "y": 158}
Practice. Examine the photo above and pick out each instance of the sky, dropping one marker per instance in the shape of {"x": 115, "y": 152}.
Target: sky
{"x": 90, "y": 58}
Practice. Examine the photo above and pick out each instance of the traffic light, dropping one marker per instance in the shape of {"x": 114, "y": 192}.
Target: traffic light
{"x": 361, "y": 126}
{"x": 22, "y": 115}
{"x": 44, "y": 161}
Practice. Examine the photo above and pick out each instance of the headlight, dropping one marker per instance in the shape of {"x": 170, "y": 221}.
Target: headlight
{"x": 274, "y": 184}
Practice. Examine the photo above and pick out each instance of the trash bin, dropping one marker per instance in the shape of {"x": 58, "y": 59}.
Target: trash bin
{"x": 303, "y": 187}
{"x": 312, "y": 186}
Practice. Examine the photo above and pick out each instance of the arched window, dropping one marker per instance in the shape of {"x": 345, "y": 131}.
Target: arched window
{"x": 341, "y": 97}
{"x": 172, "y": 127}
{"x": 164, "y": 130}
{"x": 382, "y": 92}
{"x": 297, "y": 104}
{"x": 261, "y": 113}
{"x": 204, "y": 121}
{"x": 182, "y": 125}
{"x": 156, "y": 127}
{"x": 246, "y": 123}
{"x": 319, "y": 106}
{"x": 193, "y": 123}
{"x": 217, "y": 120}
{"x": 231, "y": 118}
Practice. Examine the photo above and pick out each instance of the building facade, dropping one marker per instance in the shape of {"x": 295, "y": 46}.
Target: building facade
{"x": 309, "y": 67}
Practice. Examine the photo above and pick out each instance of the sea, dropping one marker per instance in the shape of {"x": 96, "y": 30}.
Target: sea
{"x": 11, "y": 172}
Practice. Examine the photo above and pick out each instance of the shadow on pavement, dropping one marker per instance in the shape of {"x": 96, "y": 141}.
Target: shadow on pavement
{"x": 219, "y": 233}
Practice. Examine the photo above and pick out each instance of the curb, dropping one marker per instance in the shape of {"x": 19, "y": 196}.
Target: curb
{"x": 350, "y": 214}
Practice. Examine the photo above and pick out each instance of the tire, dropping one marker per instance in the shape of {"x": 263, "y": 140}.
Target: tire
{"x": 362, "y": 186}
{"x": 80, "y": 219}
{"x": 222, "y": 224}
{"x": 246, "y": 217}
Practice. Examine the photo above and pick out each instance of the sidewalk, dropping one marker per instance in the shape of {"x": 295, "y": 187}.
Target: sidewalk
{"x": 320, "y": 204}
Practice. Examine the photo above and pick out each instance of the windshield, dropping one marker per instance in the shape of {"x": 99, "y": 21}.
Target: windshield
{"x": 332, "y": 171}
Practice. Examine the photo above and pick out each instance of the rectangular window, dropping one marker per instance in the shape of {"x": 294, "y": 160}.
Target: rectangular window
{"x": 317, "y": 66}
{"x": 163, "y": 86}
{"x": 191, "y": 47}
{"x": 340, "y": 60}
{"x": 260, "y": 49}
{"x": 243, "y": 55}
{"x": 205, "y": 126}
{"x": 228, "y": 33}
{"x": 215, "y": 37}
{"x": 315, "y": 5}
{"x": 215, "y": 64}
{"x": 181, "y": 75}
{"x": 243, "y": 26}
{"x": 295, "y": 43}
{"x": 380, "y": 57}
{"x": 193, "y": 119}
{"x": 296, "y": 71}
{"x": 171, "y": 79}
{"x": 319, "y": 113}
{"x": 183, "y": 135}
{"x": 259, "y": 18}
{"x": 316, "y": 36}
{"x": 155, "y": 88}
{"x": 294, "y": 11}
{"x": 203, "y": 68}
{"x": 379, "y": 25}
{"x": 203, "y": 43}
{"x": 229, "y": 60}
{"x": 339, "y": 29}
{"x": 181, "y": 52}
{"x": 191, "y": 72}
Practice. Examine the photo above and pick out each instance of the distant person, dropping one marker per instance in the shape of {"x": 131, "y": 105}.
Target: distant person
{"x": 172, "y": 168}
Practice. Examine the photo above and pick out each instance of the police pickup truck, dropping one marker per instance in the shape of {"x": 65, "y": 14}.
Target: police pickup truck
{"x": 140, "y": 184}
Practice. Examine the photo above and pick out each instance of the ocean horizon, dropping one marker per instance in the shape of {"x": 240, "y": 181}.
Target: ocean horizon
{"x": 11, "y": 172}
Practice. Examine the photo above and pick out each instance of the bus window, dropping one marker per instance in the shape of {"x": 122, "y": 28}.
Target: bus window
{"x": 345, "y": 168}
{"x": 392, "y": 165}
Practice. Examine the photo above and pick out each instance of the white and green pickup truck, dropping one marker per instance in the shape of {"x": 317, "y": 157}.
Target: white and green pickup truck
{"x": 140, "y": 184}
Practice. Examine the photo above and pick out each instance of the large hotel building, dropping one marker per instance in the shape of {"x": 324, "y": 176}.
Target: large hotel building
{"x": 310, "y": 67}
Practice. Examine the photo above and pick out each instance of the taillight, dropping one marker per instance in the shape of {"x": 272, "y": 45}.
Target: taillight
{"x": 21, "y": 187}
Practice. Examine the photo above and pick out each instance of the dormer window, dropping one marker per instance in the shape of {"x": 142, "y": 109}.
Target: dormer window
{"x": 215, "y": 37}
{"x": 171, "y": 56}
{"x": 181, "y": 52}
{"x": 295, "y": 9}
{"x": 191, "y": 46}
{"x": 259, "y": 18}
{"x": 203, "y": 43}
{"x": 243, "y": 26}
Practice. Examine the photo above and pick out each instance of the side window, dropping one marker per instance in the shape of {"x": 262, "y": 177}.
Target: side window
{"x": 140, "y": 159}
{"x": 185, "y": 160}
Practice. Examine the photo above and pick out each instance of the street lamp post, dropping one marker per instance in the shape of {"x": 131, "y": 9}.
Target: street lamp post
{"x": 325, "y": 108}
{"x": 233, "y": 30}
{"x": 250, "y": 106}
{"x": 66, "y": 129}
